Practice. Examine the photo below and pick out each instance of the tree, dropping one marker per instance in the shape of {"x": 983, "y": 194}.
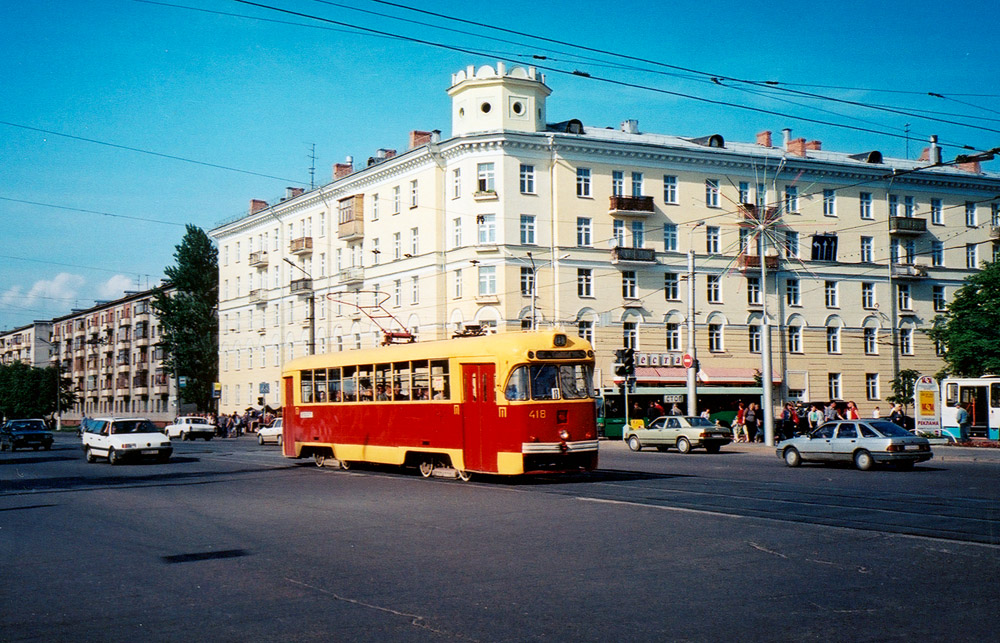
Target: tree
{"x": 968, "y": 331}
{"x": 189, "y": 319}
{"x": 902, "y": 387}
{"x": 30, "y": 392}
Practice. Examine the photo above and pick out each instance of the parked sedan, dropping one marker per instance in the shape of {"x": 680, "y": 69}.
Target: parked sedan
{"x": 189, "y": 428}
{"x": 684, "y": 432}
{"x": 864, "y": 443}
{"x": 270, "y": 433}
{"x": 22, "y": 434}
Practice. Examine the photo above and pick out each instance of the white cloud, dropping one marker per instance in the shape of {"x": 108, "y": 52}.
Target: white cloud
{"x": 115, "y": 287}
{"x": 61, "y": 291}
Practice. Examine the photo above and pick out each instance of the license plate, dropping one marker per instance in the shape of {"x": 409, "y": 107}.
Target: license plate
{"x": 148, "y": 451}
{"x": 912, "y": 447}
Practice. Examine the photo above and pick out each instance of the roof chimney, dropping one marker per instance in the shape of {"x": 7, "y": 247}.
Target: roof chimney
{"x": 340, "y": 170}
{"x": 418, "y": 138}
{"x": 291, "y": 193}
{"x": 814, "y": 145}
{"x": 764, "y": 138}
{"x": 786, "y": 135}
{"x": 256, "y": 205}
{"x": 935, "y": 151}
{"x": 796, "y": 146}
{"x": 630, "y": 126}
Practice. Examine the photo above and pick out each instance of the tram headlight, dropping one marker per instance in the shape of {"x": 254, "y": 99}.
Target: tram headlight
{"x": 564, "y": 435}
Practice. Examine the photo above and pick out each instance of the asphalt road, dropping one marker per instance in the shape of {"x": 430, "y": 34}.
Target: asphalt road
{"x": 231, "y": 542}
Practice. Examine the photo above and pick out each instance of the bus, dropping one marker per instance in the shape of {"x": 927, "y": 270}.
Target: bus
{"x": 506, "y": 404}
{"x": 980, "y": 396}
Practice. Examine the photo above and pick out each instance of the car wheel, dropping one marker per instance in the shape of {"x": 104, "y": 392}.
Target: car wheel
{"x": 184, "y": 436}
{"x": 683, "y": 445}
{"x": 426, "y": 468}
{"x": 113, "y": 457}
{"x": 634, "y": 444}
{"x": 260, "y": 439}
{"x": 279, "y": 440}
{"x": 713, "y": 448}
{"x": 792, "y": 457}
{"x": 90, "y": 456}
{"x": 863, "y": 460}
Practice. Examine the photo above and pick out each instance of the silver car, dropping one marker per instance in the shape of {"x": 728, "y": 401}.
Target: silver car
{"x": 684, "y": 432}
{"x": 862, "y": 442}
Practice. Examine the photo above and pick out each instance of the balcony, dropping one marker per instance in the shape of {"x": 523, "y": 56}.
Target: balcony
{"x": 258, "y": 259}
{"x": 351, "y": 230}
{"x": 752, "y": 262}
{"x": 302, "y": 286}
{"x": 751, "y": 214}
{"x": 907, "y": 226}
{"x": 258, "y": 296}
{"x": 631, "y": 206}
{"x": 994, "y": 232}
{"x": 908, "y": 271}
{"x": 351, "y": 276}
{"x": 633, "y": 255}
{"x": 301, "y": 246}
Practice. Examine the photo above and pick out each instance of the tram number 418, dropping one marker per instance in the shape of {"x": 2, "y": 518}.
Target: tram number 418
{"x": 537, "y": 415}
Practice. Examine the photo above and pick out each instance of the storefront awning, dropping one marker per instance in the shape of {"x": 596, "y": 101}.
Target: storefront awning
{"x": 708, "y": 375}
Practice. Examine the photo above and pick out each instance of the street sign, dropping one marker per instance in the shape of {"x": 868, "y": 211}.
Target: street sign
{"x": 182, "y": 381}
{"x": 265, "y": 388}
{"x": 217, "y": 390}
{"x": 687, "y": 361}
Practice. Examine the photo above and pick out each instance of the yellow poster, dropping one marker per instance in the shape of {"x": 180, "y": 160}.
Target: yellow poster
{"x": 927, "y": 403}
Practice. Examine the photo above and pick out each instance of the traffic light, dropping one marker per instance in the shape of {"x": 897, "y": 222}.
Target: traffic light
{"x": 620, "y": 363}
{"x": 628, "y": 361}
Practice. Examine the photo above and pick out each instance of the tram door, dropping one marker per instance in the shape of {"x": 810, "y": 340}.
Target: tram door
{"x": 479, "y": 414}
{"x": 976, "y": 402}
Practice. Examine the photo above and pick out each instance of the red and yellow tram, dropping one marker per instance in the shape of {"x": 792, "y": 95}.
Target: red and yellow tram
{"x": 505, "y": 404}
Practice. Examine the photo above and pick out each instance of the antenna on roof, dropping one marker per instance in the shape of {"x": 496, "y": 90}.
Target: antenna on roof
{"x": 312, "y": 168}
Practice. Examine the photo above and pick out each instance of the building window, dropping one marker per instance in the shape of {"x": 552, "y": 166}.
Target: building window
{"x": 712, "y": 240}
{"x": 937, "y": 253}
{"x": 617, "y": 183}
{"x": 909, "y": 207}
{"x": 673, "y": 336}
{"x": 629, "y": 284}
{"x": 970, "y": 214}
{"x": 903, "y": 299}
{"x": 638, "y": 234}
{"x": 636, "y": 183}
{"x": 937, "y": 212}
{"x": 761, "y": 196}
{"x": 397, "y": 250}
{"x": 527, "y": 282}
{"x": 871, "y": 386}
{"x": 456, "y": 183}
{"x": 669, "y": 189}
{"x": 829, "y": 203}
{"x": 714, "y": 289}
{"x": 794, "y": 339}
{"x": 938, "y": 298}
{"x": 754, "y": 338}
{"x": 893, "y": 205}
{"x": 671, "y": 286}
{"x": 485, "y": 177}
{"x": 487, "y": 229}
{"x": 397, "y": 293}
{"x": 395, "y": 200}
{"x": 487, "y": 280}
{"x": 830, "y": 293}
{"x": 867, "y": 250}
{"x": 457, "y": 284}
{"x": 413, "y": 193}
{"x": 528, "y": 229}
{"x": 753, "y": 291}
{"x": 971, "y": 256}
{"x": 712, "y": 193}
{"x": 414, "y": 290}
{"x": 871, "y": 341}
{"x": 833, "y": 339}
{"x": 746, "y": 234}
{"x": 792, "y": 294}
{"x": 906, "y": 341}
{"x": 865, "y": 205}
{"x": 456, "y": 233}
{"x": 583, "y": 182}
{"x": 527, "y": 179}
{"x": 834, "y": 389}
{"x": 910, "y": 250}
{"x": 791, "y": 244}
{"x": 630, "y": 335}
{"x": 744, "y": 192}
{"x": 867, "y": 295}
{"x": 715, "y": 344}
{"x": 894, "y": 251}
{"x": 791, "y": 198}
{"x": 584, "y": 235}
{"x": 670, "y": 237}
{"x": 584, "y": 282}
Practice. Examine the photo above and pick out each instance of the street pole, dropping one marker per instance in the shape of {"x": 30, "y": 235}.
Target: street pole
{"x": 312, "y": 306}
{"x": 765, "y": 345}
{"x": 534, "y": 293}
{"x": 692, "y": 371}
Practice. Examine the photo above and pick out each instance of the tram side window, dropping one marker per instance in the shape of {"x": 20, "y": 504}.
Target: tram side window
{"x": 383, "y": 382}
{"x": 421, "y": 380}
{"x": 517, "y": 385}
{"x": 350, "y": 383}
{"x": 401, "y": 381}
{"x": 951, "y": 393}
{"x": 365, "y": 391}
{"x": 333, "y": 385}
{"x": 995, "y": 395}
{"x": 307, "y": 387}
{"x": 440, "y": 389}
{"x": 319, "y": 384}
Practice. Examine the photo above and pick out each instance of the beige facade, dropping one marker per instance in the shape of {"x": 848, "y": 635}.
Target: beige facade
{"x": 860, "y": 251}
{"x": 28, "y": 344}
{"x": 109, "y": 352}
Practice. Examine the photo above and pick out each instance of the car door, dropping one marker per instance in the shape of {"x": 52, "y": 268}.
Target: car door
{"x": 99, "y": 437}
{"x": 843, "y": 444}
{"x": 653, "y": 433}
{"x": 671, "y": 430}
{"x": 818, "y": 446}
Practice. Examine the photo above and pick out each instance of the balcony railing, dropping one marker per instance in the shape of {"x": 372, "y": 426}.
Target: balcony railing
{"x": 633, "y": 255}
{"x": 258, "y": 296}
{"x": 301, "y": 246}
{"x": 631, "y": 205}
{"x": 908, "y": 271}
{"x": 750, "y": 213}
{"x": 352, "y": 275}
{"x": 258, "y": 259}
{"x": 302, "y": 286}
{"x": 907, "y": 225}
{"x": 351, "y": 229}
{"x": 750, "y": 262}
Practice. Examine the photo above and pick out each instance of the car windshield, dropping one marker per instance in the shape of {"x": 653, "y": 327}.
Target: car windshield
{"x": 133, "y": 426}
{"x": 26, "y": 425}
{"x": 890, "y": 429}
{"x": 698, "y": 421}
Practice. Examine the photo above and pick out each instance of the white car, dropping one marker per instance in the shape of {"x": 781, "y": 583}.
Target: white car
{"x": 189, "y": 428}
{"x": 270, "y": 433}
{"x": 120, "y": 438}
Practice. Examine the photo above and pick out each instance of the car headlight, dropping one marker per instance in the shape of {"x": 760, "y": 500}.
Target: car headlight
{"x": 128, "y": 445}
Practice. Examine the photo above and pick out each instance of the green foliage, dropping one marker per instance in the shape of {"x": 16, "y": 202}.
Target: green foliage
{"x": 968, "y": 331}
{"x": 30, "y": 392}
{"x": 189, "y": 319}
{"x": 902, "y": 387}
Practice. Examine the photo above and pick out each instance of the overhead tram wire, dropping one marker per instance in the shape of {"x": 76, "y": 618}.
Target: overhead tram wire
{"x": 105, "y": 214}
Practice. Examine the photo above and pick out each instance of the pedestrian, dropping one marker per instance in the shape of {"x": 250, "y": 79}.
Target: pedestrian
{"x": 877, "y": 414}
{"x": 831, "y": 412}
{"x": 897, "y": 416}
{"x": 852, "y": 412}
{"x": 964, "y": 422}
{"x": 750, "y": 422}
{"x": 787, "y": 421}
{"x": 706, "y": 414}
{"x": 675, "y": 410}
{"x": 739, "y": 432}
{"x": 815, "y": 418}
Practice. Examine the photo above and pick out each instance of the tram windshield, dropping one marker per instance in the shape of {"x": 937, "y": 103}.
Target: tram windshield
{"x": 550, "y": 382}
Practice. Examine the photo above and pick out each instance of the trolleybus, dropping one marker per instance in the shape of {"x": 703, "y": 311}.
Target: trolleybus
{"x": 980, "y": 396}
{"x": 506, "y": 404}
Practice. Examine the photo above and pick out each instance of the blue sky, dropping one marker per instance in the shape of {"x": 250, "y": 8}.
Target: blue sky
{"x": 255, "y": 95}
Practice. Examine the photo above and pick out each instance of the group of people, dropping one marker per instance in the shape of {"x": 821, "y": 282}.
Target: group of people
{"x": 234, "y": 424}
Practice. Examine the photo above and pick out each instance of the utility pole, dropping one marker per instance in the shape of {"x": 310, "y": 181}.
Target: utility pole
{"x": 692, "y": 349}
{"x": 312, "y": 306}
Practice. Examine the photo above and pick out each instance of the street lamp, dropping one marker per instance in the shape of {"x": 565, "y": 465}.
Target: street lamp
{"x": 312, "y": 306}
{"x": 692, "y": 370}
{"x": 534, "y": 282}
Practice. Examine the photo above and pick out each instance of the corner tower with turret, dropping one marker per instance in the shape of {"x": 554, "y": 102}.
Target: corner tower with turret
{"x": 492, "y": 100}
